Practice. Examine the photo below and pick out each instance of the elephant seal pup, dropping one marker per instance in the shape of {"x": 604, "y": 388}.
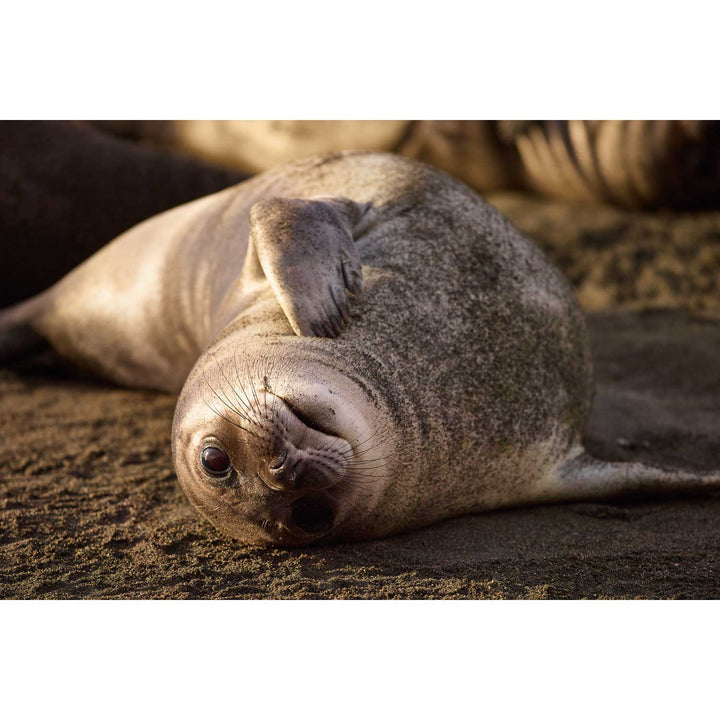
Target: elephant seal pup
{"x": 458, "y": 380}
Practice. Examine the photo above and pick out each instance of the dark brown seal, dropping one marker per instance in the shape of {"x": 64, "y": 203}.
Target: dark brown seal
{"x": 67, "y": 189}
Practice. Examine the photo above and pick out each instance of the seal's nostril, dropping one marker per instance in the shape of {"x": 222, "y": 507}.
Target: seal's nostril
{"x": 279, "y": 461}
{"x": 311, "y": 516}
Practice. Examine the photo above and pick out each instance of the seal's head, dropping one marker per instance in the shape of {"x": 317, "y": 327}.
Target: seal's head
{"x": 280, "y": 452}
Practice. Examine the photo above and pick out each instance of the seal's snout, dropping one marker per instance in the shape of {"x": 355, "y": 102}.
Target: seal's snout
{"x": 302, "y": 470}
{"x": 291, "y": 452}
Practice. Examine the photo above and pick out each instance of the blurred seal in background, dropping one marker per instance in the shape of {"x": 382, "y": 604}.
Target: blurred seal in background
{"x": 638, "y": 164}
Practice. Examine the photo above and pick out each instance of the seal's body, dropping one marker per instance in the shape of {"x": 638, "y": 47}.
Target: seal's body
{"x": 460, "y": 382}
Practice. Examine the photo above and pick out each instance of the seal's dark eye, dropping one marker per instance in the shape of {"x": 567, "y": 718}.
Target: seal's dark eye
{"x": 215, "y": 461}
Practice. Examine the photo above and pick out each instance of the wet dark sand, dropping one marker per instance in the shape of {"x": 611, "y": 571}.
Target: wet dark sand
{"x": 90, "y": 507}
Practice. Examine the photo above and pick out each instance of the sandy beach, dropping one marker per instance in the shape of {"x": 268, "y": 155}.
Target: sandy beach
{"x": 91, "y": 507}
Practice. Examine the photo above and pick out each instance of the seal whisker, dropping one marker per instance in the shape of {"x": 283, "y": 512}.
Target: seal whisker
{"x": 369, "y": 462}
{"x": 369, "y": 476}
{"x": 355, "y": 487}
{"x": 335, "y": 497}
{"x": 365, "y": 478}
{"x": 221, "y": 400}
{"x": 246, "y": 406}
{"x": 332, "y": 447}
{"x": 253, "y": 391}
{"x": 226, "y": 402}
{"x": 360, "y": 443}
{"x": 222, "y": 372}
{"x": 230, "y": 421}
{"x": 233, "y": 388}
{"x": 316, "y": 460}
{"x": 361, "y": 453}
{"x": 364, "y": 452}
{"x": 364, "y": 472}
{"x": 247, "y": 403}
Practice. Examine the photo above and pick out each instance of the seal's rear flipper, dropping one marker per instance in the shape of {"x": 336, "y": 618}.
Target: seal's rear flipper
{"x": 18, "y": 339}
{"x": 583, "y": 477}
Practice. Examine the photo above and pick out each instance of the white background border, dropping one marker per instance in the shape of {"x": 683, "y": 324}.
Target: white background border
{"x": 366, "y": 60}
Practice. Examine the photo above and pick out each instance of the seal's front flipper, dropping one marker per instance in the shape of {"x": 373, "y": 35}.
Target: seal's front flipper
{"x": 306, "y": 249}
{"x": 583, "y": 477}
